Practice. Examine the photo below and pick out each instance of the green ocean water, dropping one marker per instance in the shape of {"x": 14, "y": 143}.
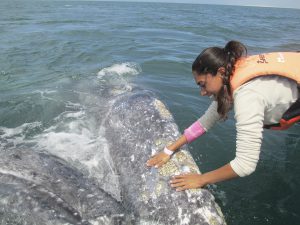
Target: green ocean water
{"x": 52, "y": 55}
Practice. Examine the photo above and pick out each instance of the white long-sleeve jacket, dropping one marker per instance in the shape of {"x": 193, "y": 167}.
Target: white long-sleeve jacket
{"x": 260, "y": 101}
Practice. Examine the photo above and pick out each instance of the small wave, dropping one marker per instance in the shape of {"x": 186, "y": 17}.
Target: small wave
{"x": 76, "y": 138}
{"x": 73, "y": 137}
{"x": 4, "y": 75}
{"x": 117, "y": 77}
{"x": 219, "y": 194}
{"x": 12, "y": 137}
{"x": 121, "y": 69}
{"x": 43, "y": 94}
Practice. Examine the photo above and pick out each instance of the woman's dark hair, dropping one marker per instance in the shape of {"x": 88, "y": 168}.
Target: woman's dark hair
{"x": 211, "y": 59}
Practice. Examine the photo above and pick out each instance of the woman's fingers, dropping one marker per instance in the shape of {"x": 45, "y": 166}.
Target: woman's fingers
{"x": 183, "y": 188}
{"x": 155, "y": 162}
{"x": 187, "y": 181}
{"x": 158, "y": 160}
{"x": 159, "y": 164}
{"x": 176, "y": 180}
{"x": 152, "y": 161}
{"x": 181, "y": 176}
{"x": 180, "y": 185}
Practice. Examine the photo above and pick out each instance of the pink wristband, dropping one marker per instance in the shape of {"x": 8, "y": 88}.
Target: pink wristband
{"x": 194, "y": 131}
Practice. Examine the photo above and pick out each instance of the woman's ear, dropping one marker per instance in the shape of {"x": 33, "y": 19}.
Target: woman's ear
{"x": 221, "y": 71}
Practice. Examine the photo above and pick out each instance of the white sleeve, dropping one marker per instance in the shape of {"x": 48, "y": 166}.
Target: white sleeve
{"x": 210, "y": 117}
{"x": 249, "y": 109}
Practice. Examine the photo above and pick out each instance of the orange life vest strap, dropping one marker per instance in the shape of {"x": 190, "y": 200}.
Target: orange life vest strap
{"x": 290, "y": 117}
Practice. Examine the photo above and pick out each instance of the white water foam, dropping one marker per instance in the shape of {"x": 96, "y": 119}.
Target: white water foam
{"x": 117, "y": 77}
{"x": 74, "y": 137}
{"x": 12, "y": 137}
{"x": 77, "y": 140}
{"x": 122, "y": 69}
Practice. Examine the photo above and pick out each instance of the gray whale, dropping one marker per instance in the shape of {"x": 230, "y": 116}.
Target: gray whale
{"x": 37, "y": 187}
{"x": 137, "y": 126}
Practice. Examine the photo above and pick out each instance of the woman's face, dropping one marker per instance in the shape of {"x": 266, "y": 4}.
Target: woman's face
{"x": 209, "y": 84}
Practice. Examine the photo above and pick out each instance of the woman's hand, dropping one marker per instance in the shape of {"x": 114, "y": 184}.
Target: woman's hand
{"x": 195, "y": 180}
{"x": 158, "y": 159}
{"x": 188, "y": 181}
{"x": 161, "y": 158}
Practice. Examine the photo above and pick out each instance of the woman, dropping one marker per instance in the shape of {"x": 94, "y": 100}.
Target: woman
{"x": 259, "y": 101}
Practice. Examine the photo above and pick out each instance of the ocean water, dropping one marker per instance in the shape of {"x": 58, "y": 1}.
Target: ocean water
{"x": 56, "y": 57}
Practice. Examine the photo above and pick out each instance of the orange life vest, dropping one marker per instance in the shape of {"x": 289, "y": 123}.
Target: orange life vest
{"x": 286, "y": 64}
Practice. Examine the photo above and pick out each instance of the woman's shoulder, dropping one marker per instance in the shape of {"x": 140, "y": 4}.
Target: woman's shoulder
{"x": 267, "y": 84}
{"x": 271, "y": 88}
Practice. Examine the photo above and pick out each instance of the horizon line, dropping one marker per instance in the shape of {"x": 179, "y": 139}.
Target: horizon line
{"x": 192, "y": 3}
